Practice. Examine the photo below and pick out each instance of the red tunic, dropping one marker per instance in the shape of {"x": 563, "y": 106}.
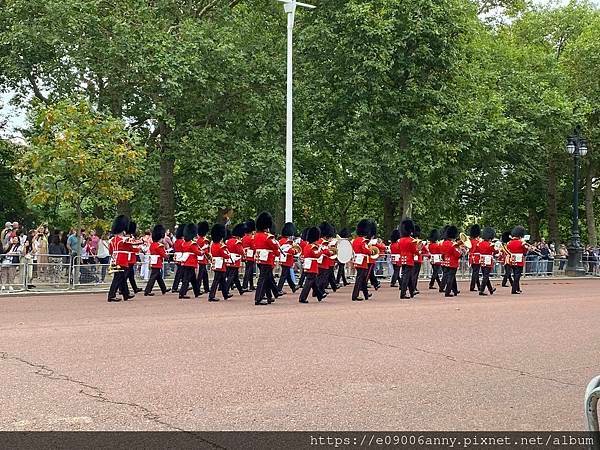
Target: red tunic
{"x": 118, "y": 251}
{"x": 395, "y": 252}
{"x": 435, "y": 253}
{"x": 408, "y": 251}
{"x": 192, "y": 251}
{"x": 267, "y": 248}
{"x": 451, "y": 254}
{"x": 158, "y": 249}
{"x": 204, "y": 246}
{"x": 360, "y": 245}
{"x": 286, "y": 258}
{"x": 486, "y": 250}
{"x": 178, "y": 249}
{"x": 220, "y": 255}
{"x": 248, "y": 244}
{"x": 474, "y": 253}
{"x": 236, "y": 250}
{"x": 326, "y": 261}
{"x": 311, "y": 253}
{"x": 517, "y": 252}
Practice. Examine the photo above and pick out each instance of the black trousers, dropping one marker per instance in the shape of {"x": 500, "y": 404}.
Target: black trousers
{"x": 435, "y": 277}
{"x": 341, "y": 274}
{"x": 219, "y": 282}
{"x": 507, "y": 275}
{"x": 264, "y": 286}
{"x": 517, "y": 272}
{"x": 176, "y": 278}
{"x": 302, "y": 278}
{"x": 233, "y": 278}
{"x": 249, "y": 275}
{"x": 406, "y": 281}
{"x": 119, "y": 283}
{"x": 155, "y": 277}
{"x": 451, "y": 285}
{"x": 286, "y": 275}
{"x": 372, "y": 277}
{"x": 326, "y": 279}
{"x": 131, "y": 278}
{"x": 360, "y": 284}
{"x": 189, "y": 277}
{"x": 310, "y": 282}
{"x": 444, "y": 278}
{"x": 203, "y": 277}
{"x": 416, "y": 273}
{"x": 395, "y": 275}
{"x": 475, "y": 268}
{"x": 485, "y": 282}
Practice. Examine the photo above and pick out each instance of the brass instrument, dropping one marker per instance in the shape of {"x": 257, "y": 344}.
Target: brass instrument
{"x": 374, "y": 251}
{"x": 463, "y": 241}
{"x": 113, "y": 268}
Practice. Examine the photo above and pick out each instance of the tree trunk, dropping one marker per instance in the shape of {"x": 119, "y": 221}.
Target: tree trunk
{"x": 589, "y": 205}
{"x": 389, "y": 216}
{"x": 406, "y": 197}
{"x": 552, "y": 202}
{"x": 167, "y": 184}
{"x": 533, "y": 221}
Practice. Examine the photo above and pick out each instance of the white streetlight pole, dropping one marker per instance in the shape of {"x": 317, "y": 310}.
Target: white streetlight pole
{"x": 290, "y": 8}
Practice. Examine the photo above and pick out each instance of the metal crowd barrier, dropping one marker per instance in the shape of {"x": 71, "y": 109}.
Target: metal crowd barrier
{"x": 49, "y": 273}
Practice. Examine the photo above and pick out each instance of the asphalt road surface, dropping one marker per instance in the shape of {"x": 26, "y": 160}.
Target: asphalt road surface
{"x": 472, "y": 363}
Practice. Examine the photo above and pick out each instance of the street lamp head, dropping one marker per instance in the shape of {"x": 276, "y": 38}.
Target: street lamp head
{"x": 570, "y": 147}
{"x": 583, "y": 148}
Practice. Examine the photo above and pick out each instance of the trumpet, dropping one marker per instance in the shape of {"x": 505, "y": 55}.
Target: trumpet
{"x": 113, "y": 268}
{"x": 463, "y": 241}
{"x": 374, "y": 251}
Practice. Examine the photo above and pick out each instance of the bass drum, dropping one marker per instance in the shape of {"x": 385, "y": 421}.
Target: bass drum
{"x": 344, "y": 251}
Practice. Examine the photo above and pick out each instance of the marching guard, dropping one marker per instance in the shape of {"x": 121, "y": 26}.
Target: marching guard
{"x": 250, "y": 265}
{"x": 341, "y": 267}
{"x": 311, "y": 253}
{"x": 474, "y": 257}
{"x": 486, "y": 251}
{"x": 505, "y": 260}
{"x": 236, "y": 252}
{"x": 286, "y": 260}
{"x": 119, "y": 259}
{"x": 408, "y": 250}
{"x": 133, "y": 248}
{"x": 219, "y": 256}
{"x": 189, "y": 262}
{"x": 203, "y": 261}
{"x": 452, "y": 259}
{"x": 177, "y": 252}
{"x": 418, "y": 259}
{"x": 267, "y": 249}
{"x": 517, "y": 250}
{"x": 157, "y": 257}
{"x": 435, "y": 259}
{"x": 362, "y": 253}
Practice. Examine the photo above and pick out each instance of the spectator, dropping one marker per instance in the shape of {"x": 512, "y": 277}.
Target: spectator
{"x": 10, "y": 263}
{"x": 563, "y": 255}
{"x": 5, "y": 235}
{"x": 56, "y": 258}
{"x": 103, "y": 256}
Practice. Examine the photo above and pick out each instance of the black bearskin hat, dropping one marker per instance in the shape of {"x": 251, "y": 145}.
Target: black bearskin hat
{"x": 289, "y": 229}
{"x": 190, "y": 231}
{"x": 120, "y": 224}
{"x": 158, "y": 233}
{"x": 303, "y": 234}
{"x": 407, "y": 227}
{"x": 239, "y": 230}
{"x": 434, "y": 236}
{"x": 417, "y": 232}
{"x": 264, "y": 221}
{"x": 179, "y": 231}
{"x": 132, "y": 228}
{"x": 218, "y": 232}
{"x": 451, "y": 232}
{"x": 327, "y": 230}
{"x": 488, "y": 233}
{"x": 505, "y": 237}
{"x": 203, "y": 228}
{"x": 518, "y": 232}
{"x": 372, "y": 228}
{"x": 443, "y": 232}
{"x": 363, "y": 227}
{"x": 250, "y": 226}
{"x": 313, "y": 234}
{"x": 474, "y": 231}
{"x": 345, "y": 233}
{"x": 395, "y": 235}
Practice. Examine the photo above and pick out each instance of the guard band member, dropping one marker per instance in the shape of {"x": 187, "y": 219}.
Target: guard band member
{"x": 311, "y": 253}
{"x": 157, "y": 256}
{"x": 486, "y": 251}
{"x": 119, "y": 259}
{"x": 474, "y": 257}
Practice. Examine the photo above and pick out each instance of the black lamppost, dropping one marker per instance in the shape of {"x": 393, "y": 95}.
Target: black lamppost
{"x": 576, "y": 147}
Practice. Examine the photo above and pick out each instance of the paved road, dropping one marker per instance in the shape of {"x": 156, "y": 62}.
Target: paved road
{"x": 503, "y": 362}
